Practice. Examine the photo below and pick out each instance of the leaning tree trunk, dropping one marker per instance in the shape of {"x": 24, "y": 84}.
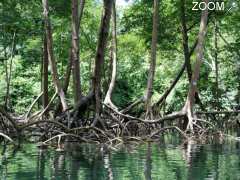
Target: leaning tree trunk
{"x": 185, "y": 40}
{"x": 45, "y": 99}
{"x": 51, "y": 58}
{"x": 149, "y": 90}
{"x": 99, "y": 59}
{"x": 188, "y": 108}
{"x": 108, "y": 97}
{"x": 75, "y": 48}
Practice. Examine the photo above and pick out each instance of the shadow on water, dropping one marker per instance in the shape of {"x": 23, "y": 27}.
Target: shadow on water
{"x": 168, "y": 159}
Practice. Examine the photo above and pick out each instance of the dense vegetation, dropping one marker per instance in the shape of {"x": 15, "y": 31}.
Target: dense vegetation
{"x": 149, "y": 61}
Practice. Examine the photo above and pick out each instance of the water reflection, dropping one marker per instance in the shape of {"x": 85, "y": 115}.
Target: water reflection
{"x": 169, "y": 160}
{"x": 148, "y": 163}
{"x": 40, "y": 165}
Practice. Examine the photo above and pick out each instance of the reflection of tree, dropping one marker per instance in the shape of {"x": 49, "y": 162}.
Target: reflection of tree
{"x": 74, "y": 168}
{"x": 216, "y": 148}
{"x": 144, "y": 162}
{"x": 196, "y": 158}
{"x": 238, "y": 135}
{"x": 86, "y": 157}
{"x": 148, "y": 163}
{"x": 108, "y": 166}
{"x": 169, "y": 159}
{"x": 40, "y": 164}
{"x": 59, "y": 169}
{"x": 189, "y": 154}
{"x": 3, "y": 168}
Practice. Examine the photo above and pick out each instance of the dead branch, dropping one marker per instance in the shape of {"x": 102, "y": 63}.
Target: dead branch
{"x": 33, "y": 103}
{"x": 170, "y": 127}
{"x": 6, "y": 137}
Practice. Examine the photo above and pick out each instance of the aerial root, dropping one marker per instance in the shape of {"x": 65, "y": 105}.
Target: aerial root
{"x": 119, "y": 127}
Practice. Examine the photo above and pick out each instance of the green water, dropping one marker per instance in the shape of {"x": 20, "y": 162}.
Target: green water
{"x": 171, "y": 160}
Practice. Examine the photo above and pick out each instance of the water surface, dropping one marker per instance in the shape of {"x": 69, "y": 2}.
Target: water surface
{"x": 168, "y": 159}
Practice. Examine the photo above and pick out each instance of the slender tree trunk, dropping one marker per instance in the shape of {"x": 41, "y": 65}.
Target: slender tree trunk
{"x": 51, "y": 57}
{"x": 185, "y": 40}
{"x": 99, "y": 59}
{"x": 188, "y": 53}
{"x": 70, "y": 61}
{"x": 75, "y": 49}
{"x": 80, "y": 14}
{"x": 188, "y": 108}
{"x": 216, "y": 62}
{"x": 68, "y": 72}
{"x": 9, "y": 73}
{"x": 113, "y": 59}
{"x": 65, "y": 83}
{"x": 6, "y": 76}
{"x": 238, "y": 88}
{"x": 45, "y": 74}
{"x": 152, "y": 68}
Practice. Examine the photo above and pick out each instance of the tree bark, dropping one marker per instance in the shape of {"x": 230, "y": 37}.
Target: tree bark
{"x": 175, "y": 81}
{"x": 216, "y": 62}
{"x": 186, "y": 51}
{"x": 45, "y": 74}
{"x": 188, "y": 108}
{"x": 99, "y": 59}
{"x": 76, "y": 18}
{"x": 149, "y": 90}
{"x": 70, "y": 61}
{"x": 65, "y": 82}
{"x": 185, "y": 40}
{"x": 51, "y": 57}
{"x": 108, "y": 97}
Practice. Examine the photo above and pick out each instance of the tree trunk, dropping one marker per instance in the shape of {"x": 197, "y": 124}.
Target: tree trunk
{"x": 152, "y": 67}
{"x": 238, "y": 86}
{"x": 76, "y": 17}
{"x": 216, "y": 63}
{"x": 185, "y": 40}
{"x": 188, "y": 53}
{"x": 99, "y": 59}
{"x": 65, "y": 83}
{"x": 108, "y": 97}
{"x": 51, "y": 58}
{"x": 175, "y": 81}
{"x": 45, "y": 74}
{"x": 188, "y": 108}
{"x": 70, "y": 61}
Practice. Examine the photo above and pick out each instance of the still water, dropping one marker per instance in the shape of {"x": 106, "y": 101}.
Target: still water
{"x": 168, "y": 159}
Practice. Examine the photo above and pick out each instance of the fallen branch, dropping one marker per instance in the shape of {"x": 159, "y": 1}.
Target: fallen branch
{"x": 40, "y": 114}
{"x": 171, "y": 116}
{"x": 218, "y": 112}
{"x": 171, "y": 127}
{"x": 127, "y": 109}
{"x": 33, "y": 103}
{"x": 6, "y": 137}
{"x": 167, "y": 92}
